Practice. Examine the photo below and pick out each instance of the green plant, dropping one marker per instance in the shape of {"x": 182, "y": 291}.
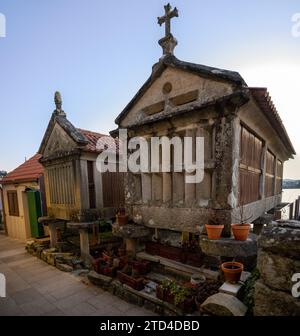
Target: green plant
{"x": 167, "y": 284}
{"x": 180, "y": 293}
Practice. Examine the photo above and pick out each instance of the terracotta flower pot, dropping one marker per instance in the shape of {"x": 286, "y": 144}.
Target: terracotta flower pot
{"x": 122, "y": 219}
{"x": 240, "y": 231}
{"x": 214, "y": 231}
{"x": 232, "y": 271}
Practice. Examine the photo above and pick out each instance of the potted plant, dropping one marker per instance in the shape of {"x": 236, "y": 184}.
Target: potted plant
{"x": 242, "y": 229}
{"x": 214, "y": 230}
{"x": 122, "y": 217}
{"x": 232, "y": 271}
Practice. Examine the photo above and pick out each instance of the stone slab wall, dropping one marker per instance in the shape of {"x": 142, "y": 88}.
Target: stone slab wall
{"x": 278, "y": 260}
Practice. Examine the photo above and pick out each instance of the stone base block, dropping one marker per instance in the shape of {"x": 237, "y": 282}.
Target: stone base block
{"x": 223, "y": 305}
{"x": 270, "y": 302}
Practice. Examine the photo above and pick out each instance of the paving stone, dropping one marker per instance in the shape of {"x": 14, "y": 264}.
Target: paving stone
{"x": 25, "y": 296}
{"x": 36, "y": 288}
{"x": 38, "y": 307}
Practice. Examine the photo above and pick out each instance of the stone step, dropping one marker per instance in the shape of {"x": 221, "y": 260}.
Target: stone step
{"x": 178, "y": 266}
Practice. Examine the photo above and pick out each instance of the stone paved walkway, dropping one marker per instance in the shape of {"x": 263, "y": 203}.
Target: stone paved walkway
{"x": 36, "y": 288}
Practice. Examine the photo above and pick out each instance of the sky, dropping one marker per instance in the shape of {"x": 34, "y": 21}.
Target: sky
{"x": 98, "y": 54}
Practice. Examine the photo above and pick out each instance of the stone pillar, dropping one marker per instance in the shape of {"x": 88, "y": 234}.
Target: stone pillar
{"x": 146, "y": 187}
{"x": 130, "y": 246}
{"x": 178, "y": 188}
{"x": 84, "y": 245}
{"x": 53, "y": 234}
{"x": 156, "y": 187}
{"x": 226, "y": 171}
{"x": 167, "y": 187}
{"x": 189, "y": 192}
{"x": 190, "y": 188}
{"x": 204, "y": 190}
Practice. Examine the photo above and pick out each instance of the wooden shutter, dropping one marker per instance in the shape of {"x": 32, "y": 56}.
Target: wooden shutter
{"x": 13, "y": 205}
{"x": 250, "y": 171}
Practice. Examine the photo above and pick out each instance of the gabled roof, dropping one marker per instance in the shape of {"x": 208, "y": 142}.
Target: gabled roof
{"x": 264, "y": 101}
{"x": 92, "y": 138}
{"x": 67, "y": 126}
{"x": 86, "y": 140}
{"x": 260, "y": 95}
{"x": 198, "y": 69}
{"x": 30, "y": 171}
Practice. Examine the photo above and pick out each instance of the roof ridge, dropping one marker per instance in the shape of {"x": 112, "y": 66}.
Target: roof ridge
{"x": 93, "y": 132}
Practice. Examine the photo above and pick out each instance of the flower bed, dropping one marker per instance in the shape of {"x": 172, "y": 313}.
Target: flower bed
{"x": 175, "y": 294}
{"x": 135, "y": 283}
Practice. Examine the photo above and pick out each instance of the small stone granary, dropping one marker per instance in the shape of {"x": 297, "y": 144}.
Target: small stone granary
{"x": 76, "y": 191}
{"x": 245, "y": 146}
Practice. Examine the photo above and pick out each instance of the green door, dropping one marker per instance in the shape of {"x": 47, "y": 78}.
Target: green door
{"x": 35, "y": 211}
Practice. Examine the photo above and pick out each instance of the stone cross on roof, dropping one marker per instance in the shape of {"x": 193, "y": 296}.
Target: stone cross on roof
{"x": 168, "y": 43}
{"x": 169, "y": 14}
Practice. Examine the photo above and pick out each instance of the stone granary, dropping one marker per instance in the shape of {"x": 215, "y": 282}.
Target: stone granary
{"x": 75, "y": 189}
{"x": 245, "y": 146}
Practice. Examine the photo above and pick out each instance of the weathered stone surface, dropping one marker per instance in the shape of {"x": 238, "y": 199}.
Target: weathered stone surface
{"x": 99, "y": 279}
{"x": 130, "y": 231}
{"x": 282, "y": 238}
{"x": 64, "y": 267}
{"x": 277, "y": 271}
{"x": 270, "y": 302}
{"x": 223, "y": 305}
{"x": 229, "y": 247}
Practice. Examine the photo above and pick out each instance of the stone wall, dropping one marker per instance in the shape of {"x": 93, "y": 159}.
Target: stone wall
{"x": 278, "y": 260}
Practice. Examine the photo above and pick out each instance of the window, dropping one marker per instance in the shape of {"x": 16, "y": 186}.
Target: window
{"x": 13, "y": 206}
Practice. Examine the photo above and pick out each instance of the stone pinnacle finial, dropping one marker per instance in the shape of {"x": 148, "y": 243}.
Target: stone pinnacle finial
{"x": 168, "y": 43}
{"x": 58, "y": 104}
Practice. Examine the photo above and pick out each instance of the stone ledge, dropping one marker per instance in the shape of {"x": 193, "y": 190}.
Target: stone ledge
{"x": 130, "y": 231}
{"x": 81, "y": 225}
{"x": 282, "y": 238}
{"x": 100, "y": 280}
{"x": 147, "y": 257}
{"x": 229, "y": 247}
{"x": 178, "y": 266}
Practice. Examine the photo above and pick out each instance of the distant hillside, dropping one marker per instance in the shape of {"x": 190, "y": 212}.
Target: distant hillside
{"x": 291, "y": 184}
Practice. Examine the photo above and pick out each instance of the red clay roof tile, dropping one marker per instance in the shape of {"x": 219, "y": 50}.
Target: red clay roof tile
{"x": 30, "y": 170}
